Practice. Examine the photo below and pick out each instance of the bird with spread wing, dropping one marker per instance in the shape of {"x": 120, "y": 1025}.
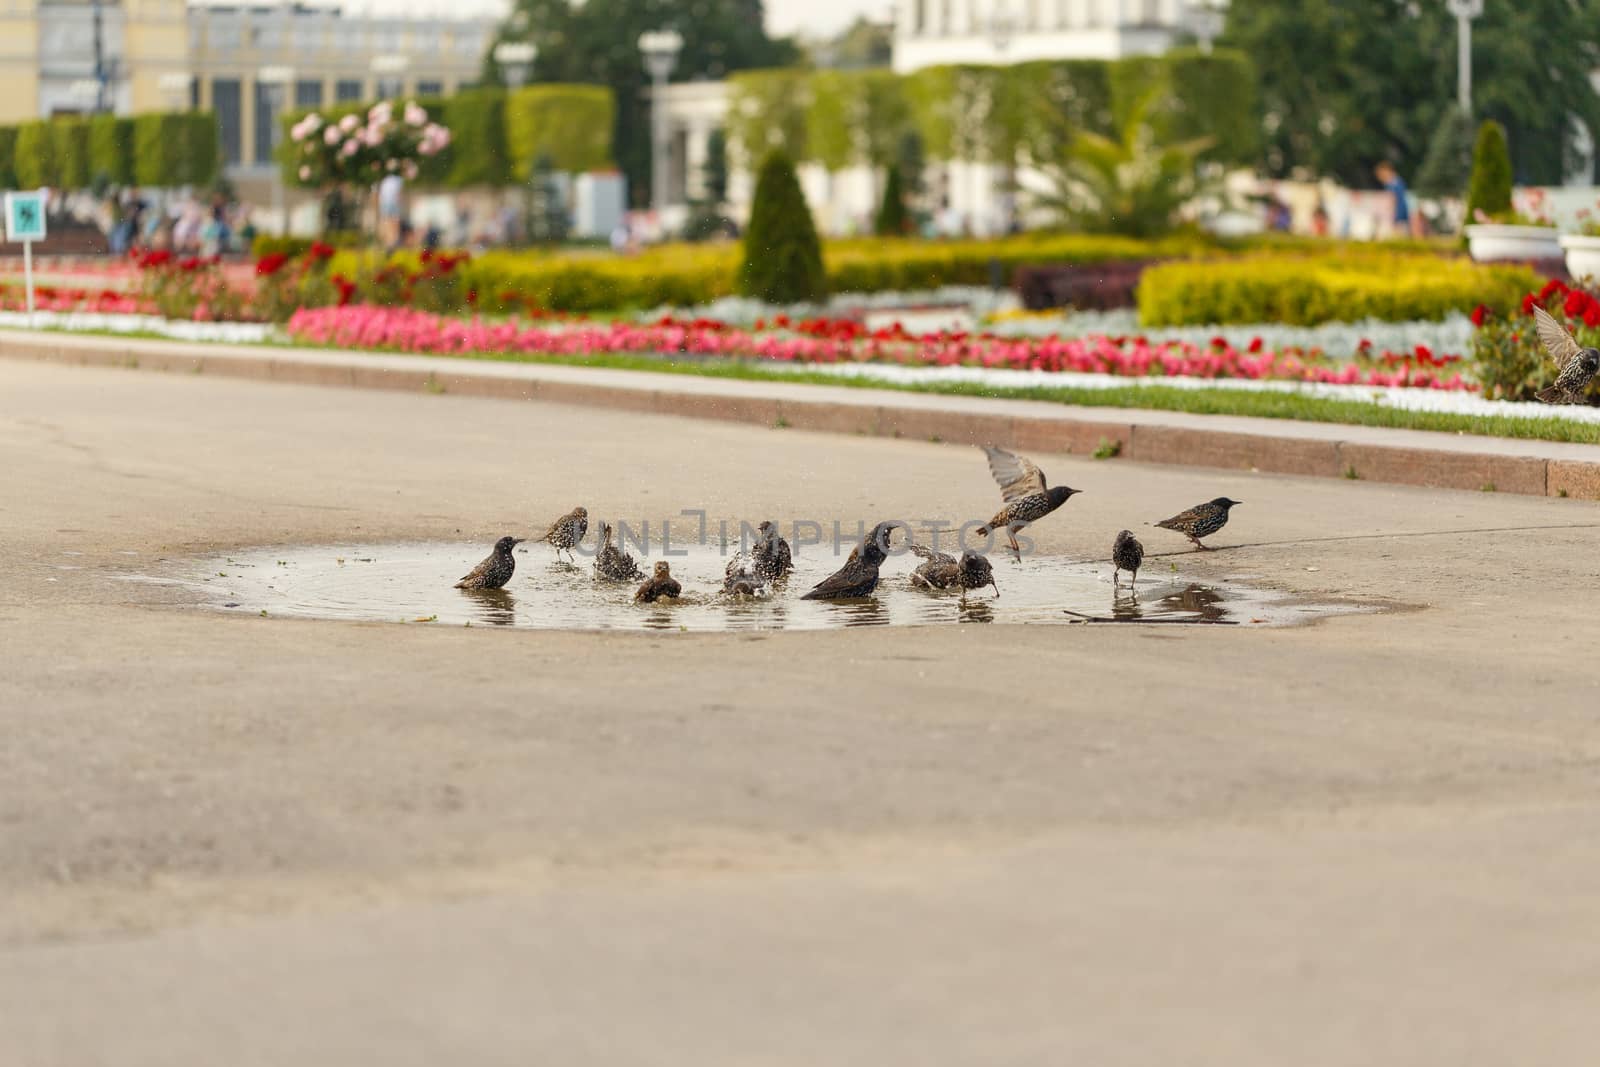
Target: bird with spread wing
{"x": 1028, "y": 497}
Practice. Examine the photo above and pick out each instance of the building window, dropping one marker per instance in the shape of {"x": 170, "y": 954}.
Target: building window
{"x": 348, "y": 90}
{"x": 308, "y": 93}
{"x": 389, "y": 88}
{"x": 430, "y": 88}
{"x": 225, "y": 101}
{"x": 266, "y": 123}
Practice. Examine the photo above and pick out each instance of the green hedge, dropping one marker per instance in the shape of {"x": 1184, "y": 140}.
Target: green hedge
{"x": 175, "y": 148}
{"x": 477, "y": 152}
{"x": 36, "y": 161}
{"x": 8, "y": 151}
{"x": 569, "y": 123}
{"x": 111, "y": 144}
{"x": 1306, "y": 290}
{"x": 72, "y": 152}
{"x": 266, "y": 244}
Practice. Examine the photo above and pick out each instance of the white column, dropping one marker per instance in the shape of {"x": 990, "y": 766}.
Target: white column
{"x": 696, "y": 147}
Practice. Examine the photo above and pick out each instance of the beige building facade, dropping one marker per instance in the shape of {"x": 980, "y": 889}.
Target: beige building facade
{"x": 246, "y": 62}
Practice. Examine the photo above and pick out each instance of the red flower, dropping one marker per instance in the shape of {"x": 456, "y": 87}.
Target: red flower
{"x": 1256, "y": 346}
{"x": 1591, "y": 315}
{"x": 318, "y": 250}
{"x": 271, "y": 263}
{"x": 427, "y": 255}
{"x": 346, "y": 287}
{"x": 1574, "y": 304}
{"x": 1528, "y": 303}
{"x": 1480, "y": 315}
{"x": 1551, "y": 287}
{"x": 1219, "y": 342}
{"x": 472, "y": 297}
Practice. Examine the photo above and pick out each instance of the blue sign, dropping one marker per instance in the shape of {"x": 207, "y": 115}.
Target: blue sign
{"x": 25, "y": 216}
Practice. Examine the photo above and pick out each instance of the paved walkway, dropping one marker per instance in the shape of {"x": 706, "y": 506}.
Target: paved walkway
{"x": 1327, "y": 450}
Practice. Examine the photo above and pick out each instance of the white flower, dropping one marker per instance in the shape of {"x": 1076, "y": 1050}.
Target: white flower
{"x": 305, "y": 174}
{"x": 331, "y": 135}
{"x": 351, "y": 147}
{"x": 415, "y": 116}
{"x": 349, "y": 123}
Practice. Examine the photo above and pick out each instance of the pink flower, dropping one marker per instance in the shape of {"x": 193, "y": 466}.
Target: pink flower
{"x": 331, "y": 135}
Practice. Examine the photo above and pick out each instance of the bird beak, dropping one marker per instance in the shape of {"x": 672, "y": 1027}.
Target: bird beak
{"x": 996, "y": 589}
{"x": 518, "y": 540}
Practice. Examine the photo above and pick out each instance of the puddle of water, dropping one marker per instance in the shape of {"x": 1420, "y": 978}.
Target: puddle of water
{"x": 413, "y": 583}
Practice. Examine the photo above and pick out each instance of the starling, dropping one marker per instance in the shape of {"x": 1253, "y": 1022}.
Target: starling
{"x": 774, "y": 561}
{"x": 1578, "y": 365}
{"x": 613, "y": 564}
{"x": 1202, "y": 520}
{"x": 941, "y": 571}
{"x": 567, "y": 531}
{"x": 1028, "y": 498}
{"x": 859, "y": 575}
{"x": 495, "y": 571}
{"x": 1126, "y": 555}
{"x": 661, "y": 584}
{"x": 744, "y": 575}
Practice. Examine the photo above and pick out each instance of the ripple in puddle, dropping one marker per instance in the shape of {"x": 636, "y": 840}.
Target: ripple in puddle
{"x": 413, "y": 583}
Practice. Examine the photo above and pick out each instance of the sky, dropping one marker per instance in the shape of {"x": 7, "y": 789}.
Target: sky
{"x": 814, "y": 18}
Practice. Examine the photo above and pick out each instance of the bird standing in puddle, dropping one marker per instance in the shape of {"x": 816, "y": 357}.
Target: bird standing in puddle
{"x": 496, "y": 571}
{"x": 943, "y": 571}
{"x": 566, "y": 533}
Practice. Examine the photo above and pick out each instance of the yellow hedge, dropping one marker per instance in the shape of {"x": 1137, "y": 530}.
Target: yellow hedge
{"x": 1304, "y": 290}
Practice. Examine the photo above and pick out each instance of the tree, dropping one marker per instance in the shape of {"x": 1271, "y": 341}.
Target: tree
{"x": 864, "y": 43}
{"x": 1346, "y": 83}
{"x": 597, "y": 42}
{"x": 1490, "y": 188}
{"x": 714, "y": 175}
{"x": 782, "y": 254}
{"x": 893, "y": 220}
{"x": 1448, "y": 163}
{"x": 1129, "y": 184}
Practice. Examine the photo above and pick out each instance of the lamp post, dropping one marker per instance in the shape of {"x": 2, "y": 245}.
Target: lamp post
{"x": 275, "y": 80}
{"x": 176, "y": 87}
{"x": 1205, "y": 16}
{"x": 515, "y": 60}
{"x": 1464, "y": 11}
{"x": 1002, "y": 27}
{"x": 660, "y": 49}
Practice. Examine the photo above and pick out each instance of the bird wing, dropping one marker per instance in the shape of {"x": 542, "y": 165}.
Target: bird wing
{"x": 846, "y": 577}
{"x": 1558, "y": 340}
{"x": 476, "y": 572}
{"x": 1016, "y": 475}
{"x": 924, "y": 552}
{"x": 1181, "y": 518}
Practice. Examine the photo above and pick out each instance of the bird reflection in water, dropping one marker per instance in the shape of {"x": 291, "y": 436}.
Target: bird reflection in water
{"x": 494, "y": 606}
{"x": 1199, "y": 603}
{"x": 975, "y": 611}
{"x": 861, "y": 611}
{"x": 1125, "y": 606}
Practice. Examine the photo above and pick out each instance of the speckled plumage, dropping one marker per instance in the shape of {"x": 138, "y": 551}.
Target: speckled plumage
{"x": 859, "y": 575}
{"x": 744, "y": 576}
{"x": 943, "y": 571}
{"x": 613, "y": 564}
{"x": 1577, "y": 365}
{"x": 1028, "y": 496}
{"x": 1202, "y": 520}
{"x": 1126, "y": 555}
{"x": 658, "y": 585}
{"x": 773, "y": 558}
{"x": 566, "y": 533}
{"x": 495, "y": 571}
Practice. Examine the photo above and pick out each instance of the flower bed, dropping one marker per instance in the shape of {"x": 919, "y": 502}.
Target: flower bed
{"x": 836, "y": 341}
{"x": 1509, "y": 358}
{"x": 14, "y": 297}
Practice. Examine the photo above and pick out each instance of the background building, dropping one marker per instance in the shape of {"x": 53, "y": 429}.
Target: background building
{"x": 934, "y": 32}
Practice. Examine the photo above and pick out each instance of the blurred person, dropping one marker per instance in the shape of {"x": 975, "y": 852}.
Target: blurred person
{"x": 391, "y": 207}
{"x": 1403, "y": 219}
{"x": 1319, "y": 221}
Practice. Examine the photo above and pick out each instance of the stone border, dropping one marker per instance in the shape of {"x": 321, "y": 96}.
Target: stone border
{"x": 1401, "y": 457}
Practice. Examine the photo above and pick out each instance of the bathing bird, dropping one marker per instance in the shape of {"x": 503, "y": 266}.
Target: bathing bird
{"x": 1028, "y": 497}
{"x": 744, "y": 575}
{"x": 613, "y": 564}
{"x": 567, "y": 531}
{"x": 496, "y": 570}
{"x": 1577, "y": 365}
{"x": 859, "y": 575}
{"x": 1202, "y": 520}
{"x": 658, "y": 585}
{"x": 1126, "y": 555}
{"x": 773, "y": 558}
{"x": 943, "y": 571}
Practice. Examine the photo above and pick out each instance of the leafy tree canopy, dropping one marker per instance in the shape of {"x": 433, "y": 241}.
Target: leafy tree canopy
{"x": 1347, "y": 83}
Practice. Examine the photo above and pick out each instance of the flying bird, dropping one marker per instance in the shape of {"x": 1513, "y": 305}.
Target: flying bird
{"x": 1126, "y": 555}
{"x": 567, "y": 531}
{"x": 1028, "y": 497}
{"x": 613, "y": 563}
{"x": 1202, "y": 520}
{"x": 495, "y": 571}
{"x": 859, "y": 575}
{"x": 658, "y": 585}
{"x": 1577, "y": 365}
{"x": 943, "y": 571}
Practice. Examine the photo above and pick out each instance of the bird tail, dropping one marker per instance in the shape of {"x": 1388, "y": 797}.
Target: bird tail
{"x": 1166, "y": 525}
{"x": 1553, "y": 395}
{"x": 983, "y": 531}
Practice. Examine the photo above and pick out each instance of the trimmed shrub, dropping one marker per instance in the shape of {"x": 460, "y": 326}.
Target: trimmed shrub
{"x": 36, "y": 161}
{"x": 569, "y": 124}
{"x": 111, "y": 141}
{"x": 1447, "y": 167}
{"x": 782, "y": 254}
{"x": 1304, "y": 290}
{"x": 8, "y": 152}
{"x": 175, "y": 148}
{"x": 893, "y": 220}
{"x": 72, "y": 152}
{"x": 266, "y": 244}
{"x": 1489, "y": 190}
{"x": 476, "y": 120}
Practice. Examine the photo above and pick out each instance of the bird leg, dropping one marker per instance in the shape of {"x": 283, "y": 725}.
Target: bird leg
{"x": 1198, "y": 545}
{"x": 1016, "y": 549}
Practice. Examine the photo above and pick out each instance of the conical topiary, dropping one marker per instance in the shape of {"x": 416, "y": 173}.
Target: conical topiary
{"x": 892, "y": 220}
{"x": 1489, "y": 191}
{"x": 782, "y": 255}
{"x": 1447, "y": 167}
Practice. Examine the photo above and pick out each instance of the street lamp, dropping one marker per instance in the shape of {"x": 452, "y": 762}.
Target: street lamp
{"x": 515, "y": 60}
{"x": 275, "y": 81}
{"x": 1464, "y": 11}
{"x": 176, "y": 87}
{"x": 1002, "y": 27}
{"x": 1206, "y": 17}
{"x": 660, "y": 48}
